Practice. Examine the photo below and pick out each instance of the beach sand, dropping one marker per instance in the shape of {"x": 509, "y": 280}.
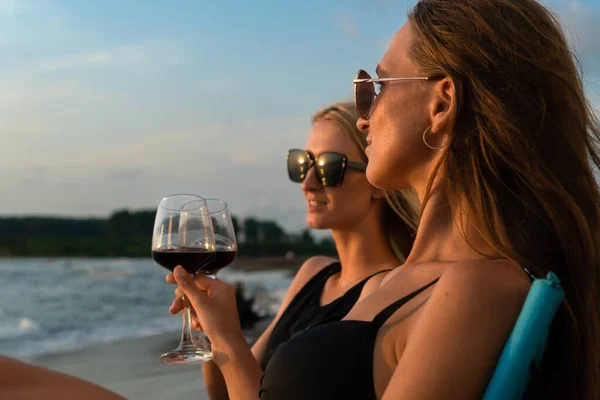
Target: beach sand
{"x": 132, "y": 367}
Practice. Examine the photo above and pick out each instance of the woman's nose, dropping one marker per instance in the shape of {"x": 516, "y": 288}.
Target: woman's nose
{"x": 311, "y": 182}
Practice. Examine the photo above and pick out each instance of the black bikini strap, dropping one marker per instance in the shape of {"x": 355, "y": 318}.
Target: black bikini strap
{"x": 339, "y": 315}
{"x": 324, "y": 274}
{"x": 376, "y": 273}
{"x": 316, "y": 283}
{"x": 334, "y": 267}
{"x": 360, "y": 285}
{"x": 387, "y": 312}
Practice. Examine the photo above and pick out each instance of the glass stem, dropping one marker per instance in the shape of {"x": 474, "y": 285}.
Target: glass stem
{"x": 186, "y": 332}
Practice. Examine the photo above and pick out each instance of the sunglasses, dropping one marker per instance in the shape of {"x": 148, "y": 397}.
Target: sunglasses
{"x": 330, "y": 167}
{"x": 365, "y": 93}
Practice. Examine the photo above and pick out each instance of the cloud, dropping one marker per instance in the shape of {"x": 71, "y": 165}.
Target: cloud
{"x": 81, "y": 191}
{"x": 242, "y": 161}
{"x": 216, "y": 145}
{"x": 140, "y": 55}
{"x": 92, "y": 59}
{"x": 124, "y": 173}
{"x": 220, "y": 85}
{"x": 345, "y": 22}
{"x": 13, "y": 8}
{"x": 22, "y": 94}
{"x": 46, "y": 119}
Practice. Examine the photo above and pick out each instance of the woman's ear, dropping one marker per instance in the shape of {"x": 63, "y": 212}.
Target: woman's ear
{"x": 442, "y": 105}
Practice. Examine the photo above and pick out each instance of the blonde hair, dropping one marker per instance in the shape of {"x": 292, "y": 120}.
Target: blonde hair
{"x": 401, "y": 213}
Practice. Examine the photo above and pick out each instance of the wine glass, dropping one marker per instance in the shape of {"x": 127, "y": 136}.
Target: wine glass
{"x": 226, "y": 250}
{"x": 225, "y": 241}
{"x": 183, "y": 235}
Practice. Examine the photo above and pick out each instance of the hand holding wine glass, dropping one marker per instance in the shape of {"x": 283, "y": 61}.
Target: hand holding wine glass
{"x": 225, "y": 252}
{"x": 214, "y": 303}
{"x": 183, "y": 235}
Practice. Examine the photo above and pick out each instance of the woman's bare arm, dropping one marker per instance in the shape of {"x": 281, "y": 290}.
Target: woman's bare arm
{"x": 19, "y": 380}
{"x": 213, "y": 377}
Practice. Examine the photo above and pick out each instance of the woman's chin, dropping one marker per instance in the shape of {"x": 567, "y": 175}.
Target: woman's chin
{"x": 314, "y": 222}
{"x": 378, "y": 179}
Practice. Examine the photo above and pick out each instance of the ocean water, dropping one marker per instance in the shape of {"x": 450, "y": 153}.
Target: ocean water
{"x": 57, "y": 305}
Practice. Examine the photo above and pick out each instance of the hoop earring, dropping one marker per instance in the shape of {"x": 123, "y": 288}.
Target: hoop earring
{"x": 427, "y": 144}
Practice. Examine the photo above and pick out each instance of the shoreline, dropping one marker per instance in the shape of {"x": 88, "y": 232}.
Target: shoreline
{"x": 242, "y": 263}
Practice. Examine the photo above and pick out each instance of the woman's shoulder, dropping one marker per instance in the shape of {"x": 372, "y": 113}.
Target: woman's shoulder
{"x": 486, "y": 276}
{"x": 479, "y": 290}
{"x": 489, "y": 276}
{"x": 473, "y": 291}
{"x": 309, "y": 269}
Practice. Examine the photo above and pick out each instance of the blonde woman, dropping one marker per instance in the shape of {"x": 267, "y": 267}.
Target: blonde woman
{"x": 372, "y": 229}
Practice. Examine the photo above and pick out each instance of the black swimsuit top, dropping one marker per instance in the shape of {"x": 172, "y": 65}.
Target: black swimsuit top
{"x": 332, "y": 360}
{"x": 305, "y": 309}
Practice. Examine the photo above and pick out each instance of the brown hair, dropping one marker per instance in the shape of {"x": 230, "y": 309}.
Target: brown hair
{"x": 400, "y": 214}
{"x": 519, "y": 150}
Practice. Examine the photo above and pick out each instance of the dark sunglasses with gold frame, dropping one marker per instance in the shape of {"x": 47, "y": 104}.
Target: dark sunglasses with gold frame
{"x": 330, "y": 167}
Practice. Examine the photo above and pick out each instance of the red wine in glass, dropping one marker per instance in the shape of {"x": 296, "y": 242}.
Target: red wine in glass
{"x": 221, "y": 259}
{"x": 191, "y": 259}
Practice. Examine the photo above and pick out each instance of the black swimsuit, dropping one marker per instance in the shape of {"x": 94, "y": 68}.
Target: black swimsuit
{"x": 332, "y": 360}
{"x": 305, "y": 309}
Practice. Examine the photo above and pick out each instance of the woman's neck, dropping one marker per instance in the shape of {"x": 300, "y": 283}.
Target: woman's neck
{"x": 445, "y": 232}
{"x": 363, "y": 250}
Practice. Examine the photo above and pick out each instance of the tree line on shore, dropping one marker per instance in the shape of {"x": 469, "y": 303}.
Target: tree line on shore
{"x": 127, "y": 233}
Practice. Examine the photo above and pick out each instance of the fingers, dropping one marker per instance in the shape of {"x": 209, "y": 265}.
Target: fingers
{"x": 205, "y": 283}
{"x": 177, "y": 304}
{"x": 202, "y": 281}
{"x": 194, "y": 320}
{"x": 195, "y": 291}
{"x": 171, "y": 279}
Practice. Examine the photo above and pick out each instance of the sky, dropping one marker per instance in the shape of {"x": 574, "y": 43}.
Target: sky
{"x": 115, "y": 104}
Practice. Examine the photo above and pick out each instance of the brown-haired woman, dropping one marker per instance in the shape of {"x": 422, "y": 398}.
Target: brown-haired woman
{"x": 482, "y": 108}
